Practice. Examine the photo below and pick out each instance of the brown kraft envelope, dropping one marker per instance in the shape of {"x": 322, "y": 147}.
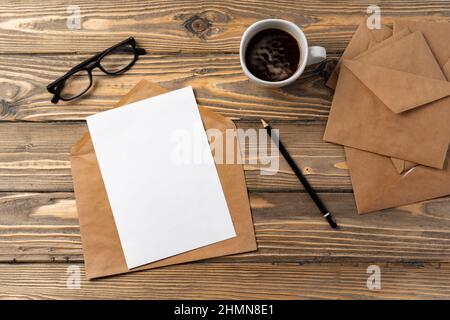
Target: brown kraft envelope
{"x": 393, "y": 101}
{"x": 102, "y": 250}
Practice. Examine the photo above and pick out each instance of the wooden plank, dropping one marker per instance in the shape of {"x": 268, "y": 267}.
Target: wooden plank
{"x": 43, "y": 227}
{"x": 186, "y": 26}
{"x": 35, "y": 157}
{"x": 218, "y": 81}
{"x": 230, "y": 281}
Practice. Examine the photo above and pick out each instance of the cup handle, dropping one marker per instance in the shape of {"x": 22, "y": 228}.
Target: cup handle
{"x": 316, "y": 55}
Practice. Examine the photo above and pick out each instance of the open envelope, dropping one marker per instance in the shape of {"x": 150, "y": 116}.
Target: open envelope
{"x": 393, "y": 100}
{"x": 102, "y": 250}
{"x": 381, "y": 182}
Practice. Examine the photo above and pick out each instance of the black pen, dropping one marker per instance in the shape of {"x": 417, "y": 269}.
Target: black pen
{"x": 326, "y": 214}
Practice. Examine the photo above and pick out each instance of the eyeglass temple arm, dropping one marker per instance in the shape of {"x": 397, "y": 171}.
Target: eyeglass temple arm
{"x": 55, "y": 98}
{"x": 140, "y": 51}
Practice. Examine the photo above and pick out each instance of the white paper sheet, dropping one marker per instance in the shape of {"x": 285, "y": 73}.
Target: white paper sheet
{"x": 164, "y": 201}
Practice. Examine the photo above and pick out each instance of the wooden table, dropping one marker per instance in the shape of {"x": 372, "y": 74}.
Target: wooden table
{"x": 196, "y": 43}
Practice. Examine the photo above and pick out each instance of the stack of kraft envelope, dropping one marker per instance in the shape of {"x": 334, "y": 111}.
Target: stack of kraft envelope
{"x": 391, "y": 111}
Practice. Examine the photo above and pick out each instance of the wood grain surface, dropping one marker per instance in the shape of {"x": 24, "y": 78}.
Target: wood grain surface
{"x": 187, "y": 26}
{"x": 196, "y": 43}
{"x": 230, "y": 281}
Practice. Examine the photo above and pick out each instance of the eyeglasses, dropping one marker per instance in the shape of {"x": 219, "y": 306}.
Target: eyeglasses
{"x": 78, "y": 80}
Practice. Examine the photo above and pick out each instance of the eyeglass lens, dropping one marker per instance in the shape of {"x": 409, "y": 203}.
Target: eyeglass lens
{"x": 118, "y": 59}
{"x": 77, "y": 84}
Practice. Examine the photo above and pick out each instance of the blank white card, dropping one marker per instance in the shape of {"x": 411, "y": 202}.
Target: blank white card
{"x": 163, "y": 199}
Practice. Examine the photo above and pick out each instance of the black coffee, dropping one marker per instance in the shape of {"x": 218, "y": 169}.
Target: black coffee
{"x": 272, "y": 55}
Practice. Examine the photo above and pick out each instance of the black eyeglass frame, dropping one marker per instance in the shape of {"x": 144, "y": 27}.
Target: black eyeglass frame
{"x": 90, "y": 64}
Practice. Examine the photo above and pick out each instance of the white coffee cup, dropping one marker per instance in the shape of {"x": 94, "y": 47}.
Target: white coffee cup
{"x": 309, "y": 55}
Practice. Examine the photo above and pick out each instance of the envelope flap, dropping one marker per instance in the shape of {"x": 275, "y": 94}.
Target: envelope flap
{"x": 401, "y": 80}
{"x": 399, "y": 90}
